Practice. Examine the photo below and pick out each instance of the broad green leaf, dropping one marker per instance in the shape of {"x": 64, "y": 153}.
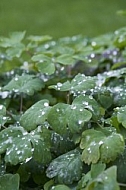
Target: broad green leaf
{"x": 98, "y": 145}
{"x": 65, "y": 59}
{"x": 19, "y": 151}
{"x": 14, "y": 38}
{"x": 84, "y": 181}
{"x": 46, "y": 67}
{"x": 2, "y": 110}
{"x": 77, "y": 115}
{"x": 57, "y": 118}
{"x": 23, "y": 172}
{"x": 9, "y": 182}
{"x": 62, "y": 167}
{"x": 35, "y": 115}
{"x": 119, "y": 93}
{"x": 15, "y": 51}
{"x": 44, "y": 63}
{"x": 96, "y": 169}
{"x": 7, "y": 135}
{"x": 82, "y": 83}
{"x": 60, "y": 187}
{"x": 3, "y": 118}
{"x": 2, "y": 167}
{"x": 105, "y": 98}
{"x": 61, "y": 87}
{"x": 64, "y": 50}
{"x": 27, "y": 84}
{"x": 120, "y": 162}
{"x": 48, "y": 184}
{"x": 89, "y": 103}
{"x": 106, "y": 180}
{"x": 61, "y": 143}
{"x": 121, "y": 115}
{"x": 9, "y": 65}
{"x": 41, "y": 142}
{"x": 39, "y": 39}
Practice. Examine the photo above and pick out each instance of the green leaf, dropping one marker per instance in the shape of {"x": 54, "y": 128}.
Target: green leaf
{"x": 77, "y": 115}
{"x": 61, "y": 87}
{"x": 27, "y": 84}
{"x": 41, "y": 142}
{"x": 3, "y": 118}
{"x": 15, "y": 51}
{"x": 7, "y": 135}
{"x": 97, "y": 169}
{"x": 35, "y": 115}
{"x": 121, "y": 115}
{"x": 65, "y": 59}
{"x": 120, "y": 162}
{"x": 44, "y": 64}
{"x": 119, "y": 93}
{"x": 14, "y": 38}
{"x": 100, "y": 146}
{"x": 46, "y": 67}
{"x": 82, "y": 83}
{"x": 39, "y": 39}
{"x": 24, "y": 174}
{"x": 106, "y": 180}
{"x": 9, "y": 182}
{"x": 19, "y": 151}
{"x": 57, "y": 118}
{"x": 61, "y": 143}
{"x": 89, "y": 103}
{"x": 62, "y": 167}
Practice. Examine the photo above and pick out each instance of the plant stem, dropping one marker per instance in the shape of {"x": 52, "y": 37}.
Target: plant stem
{"x": 21, "y": 102}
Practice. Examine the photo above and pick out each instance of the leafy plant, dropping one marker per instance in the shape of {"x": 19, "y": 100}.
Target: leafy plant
{"x": 62, "y": 112}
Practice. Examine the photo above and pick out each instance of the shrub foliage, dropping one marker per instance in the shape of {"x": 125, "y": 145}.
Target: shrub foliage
{"x": 63, "y": 112}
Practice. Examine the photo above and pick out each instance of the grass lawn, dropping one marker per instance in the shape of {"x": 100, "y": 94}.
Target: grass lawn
{"x": 61, "y": 17}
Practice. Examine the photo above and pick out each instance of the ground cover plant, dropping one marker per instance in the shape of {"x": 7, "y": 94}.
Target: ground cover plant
{"x": 62, "y": 112}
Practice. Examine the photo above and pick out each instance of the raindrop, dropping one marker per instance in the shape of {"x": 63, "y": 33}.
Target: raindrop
{"x": 46, "y": 104}
{"x": 4, "y": 118}
{"x": 101, "y": 142}
{"x": 46, "y": 46}
{"x": 16, "y": 78}
{"x": 28, "y": 159}
{"x": 80, "y": 122}
{"x": 32, "y": 149}
{"x": 73, "y": 107}
{"x": 43, "y": 113}
{"x": 81, "y": 109}
{"x": 1, "y": 107}
{"x": 92, "y": 55}
{"x": 57, "y": 110}
{"x": 89, "y": 150}
{"x": 18, "y": 152}
{"x": 93, "y": 44}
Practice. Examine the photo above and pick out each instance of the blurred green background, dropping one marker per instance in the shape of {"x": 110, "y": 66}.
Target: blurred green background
{"x": 60, "y": 18}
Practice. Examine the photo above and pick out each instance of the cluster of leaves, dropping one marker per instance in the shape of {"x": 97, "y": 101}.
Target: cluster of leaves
{"x": 62, "y": 112}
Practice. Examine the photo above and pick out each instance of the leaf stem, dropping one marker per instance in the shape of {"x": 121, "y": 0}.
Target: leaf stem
{"x": 21, "y": 102}
{"x": 122, "y": 184}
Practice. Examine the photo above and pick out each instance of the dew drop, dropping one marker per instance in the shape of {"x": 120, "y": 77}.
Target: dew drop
{"x": 43, "y": 113}
{"x": 1, "y": 107}
{"x": 46, "y": 104}
{"x": 16, "y": 78}
{"x": 80, "y": 122}
{"x": 73, "y": 107}
{"x": 100, "y": 142}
